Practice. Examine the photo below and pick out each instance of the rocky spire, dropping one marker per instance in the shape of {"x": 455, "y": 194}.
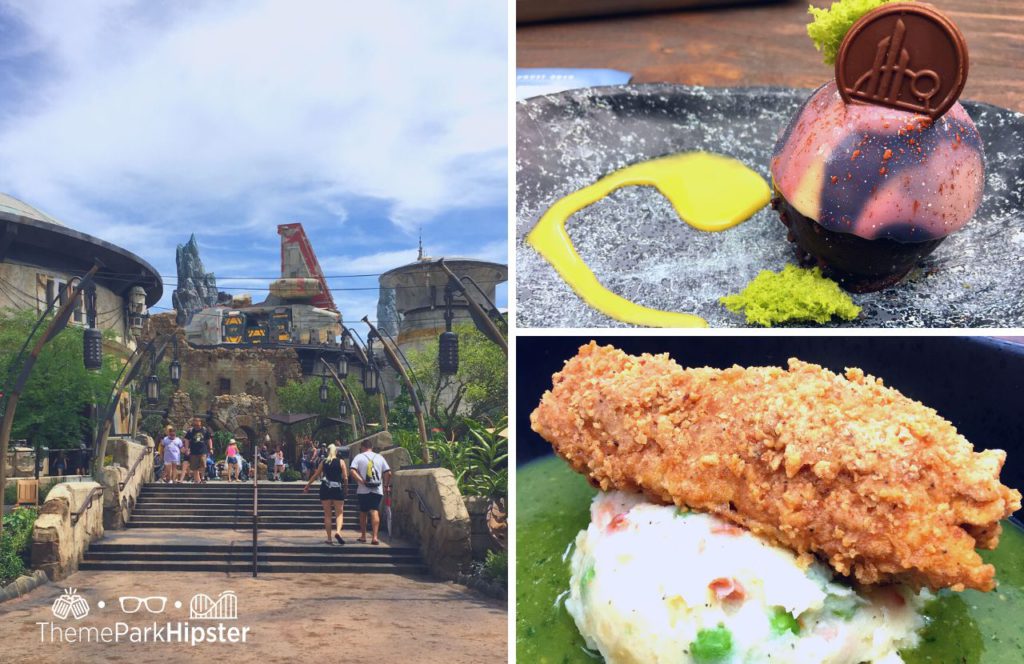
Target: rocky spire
{"x": 197, "y": 288}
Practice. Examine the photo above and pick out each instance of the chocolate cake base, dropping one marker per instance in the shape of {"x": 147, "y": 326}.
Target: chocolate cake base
{"x": 858, "y": 265}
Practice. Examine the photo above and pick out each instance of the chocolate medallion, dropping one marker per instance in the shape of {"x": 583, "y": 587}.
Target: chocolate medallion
{"x": 907, "y": 56}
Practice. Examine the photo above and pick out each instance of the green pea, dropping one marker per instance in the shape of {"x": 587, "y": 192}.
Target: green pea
{"x": 782, "y": 621}
{"x": 843, "y": 606}
{"x": 712, "y": 645}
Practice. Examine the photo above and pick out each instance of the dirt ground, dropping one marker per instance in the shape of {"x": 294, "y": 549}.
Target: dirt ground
{"x": 291, "y": 617}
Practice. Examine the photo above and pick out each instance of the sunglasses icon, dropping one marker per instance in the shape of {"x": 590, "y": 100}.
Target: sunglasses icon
{"x": 153, "y": 604}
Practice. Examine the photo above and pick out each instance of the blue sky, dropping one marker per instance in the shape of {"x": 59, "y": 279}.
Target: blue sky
{"x": 141, "y": 122}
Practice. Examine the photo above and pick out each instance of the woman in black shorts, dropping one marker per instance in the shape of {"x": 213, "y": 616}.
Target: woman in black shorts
{"x": 332, "y": 472}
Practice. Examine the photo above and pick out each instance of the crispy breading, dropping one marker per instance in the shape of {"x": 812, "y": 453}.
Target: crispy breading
{"x": 878, "y": 485}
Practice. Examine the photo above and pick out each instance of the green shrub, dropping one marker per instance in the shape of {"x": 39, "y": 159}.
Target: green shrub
{"x": 496, "y": 567}
{"x": 410, "y": 440}
{"x": 480, "y": 463}
{"x": 14, "y": 545}
{"x": 291, "y": 475}
{"x": 10, "y": 493}
{"x": 220, "y": 443}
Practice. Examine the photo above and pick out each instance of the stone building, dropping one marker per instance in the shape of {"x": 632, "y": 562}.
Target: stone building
{"x": 411, "y": 305}
{"x": 223, "y": 370}
{"x": 40, "y": 255}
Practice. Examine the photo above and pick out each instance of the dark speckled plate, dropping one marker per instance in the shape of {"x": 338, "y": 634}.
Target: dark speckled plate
{"x": 638, "y": 247}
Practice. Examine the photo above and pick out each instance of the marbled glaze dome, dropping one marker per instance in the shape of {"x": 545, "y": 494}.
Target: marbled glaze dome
{"x": 877, "y": 172}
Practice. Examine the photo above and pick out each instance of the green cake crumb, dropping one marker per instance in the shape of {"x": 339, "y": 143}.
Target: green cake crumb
{"x": 795, "y": 294}
{"x": 830, "y": 25}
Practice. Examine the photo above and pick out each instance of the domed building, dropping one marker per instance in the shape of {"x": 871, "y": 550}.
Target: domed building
{"x": 40, "y": 255}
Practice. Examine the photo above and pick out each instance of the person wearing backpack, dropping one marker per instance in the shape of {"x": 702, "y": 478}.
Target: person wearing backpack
{"x": 332, "y": 473}
{"x": 373, "y": 475}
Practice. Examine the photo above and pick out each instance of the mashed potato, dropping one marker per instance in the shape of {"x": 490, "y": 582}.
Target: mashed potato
{"x": 655, "y": 585}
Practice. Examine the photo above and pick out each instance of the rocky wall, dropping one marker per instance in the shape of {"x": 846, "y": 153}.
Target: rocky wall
{"x": 441, "y": 528}
{"x": 118, "y": 502}
{"x": 480, "y": 534}
{"x": 381, "y": 441}
{"x": 58, "y": 545}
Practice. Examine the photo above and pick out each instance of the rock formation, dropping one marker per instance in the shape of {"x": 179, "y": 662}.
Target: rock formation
{"x": 197, "y": 288}
{"x": 388, "y": 318}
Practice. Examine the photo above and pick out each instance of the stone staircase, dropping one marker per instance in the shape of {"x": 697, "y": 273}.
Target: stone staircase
{"x": 229, "y": 505}
{"x": 208, "y": 528}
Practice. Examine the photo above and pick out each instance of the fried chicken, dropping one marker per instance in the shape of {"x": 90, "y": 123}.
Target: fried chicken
{"x": 876, "y": 484}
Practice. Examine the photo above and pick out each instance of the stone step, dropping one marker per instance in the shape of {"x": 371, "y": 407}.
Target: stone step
{"x": 340, "y": 555}
{"x": 231, "y": 524}
{"x": 351, "y": 548}
{"x": 246, "y": 567}
{"x": 185, "y": 518}
{"x": 301, "y": 501}
{"x": 235, "y": 509}
{"x": 272, "y": 487}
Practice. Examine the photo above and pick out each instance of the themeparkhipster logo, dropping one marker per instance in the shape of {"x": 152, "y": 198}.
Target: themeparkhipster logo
{"x": 209, "y": 615}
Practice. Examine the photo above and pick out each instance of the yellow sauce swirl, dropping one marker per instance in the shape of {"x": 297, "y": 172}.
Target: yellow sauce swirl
{"x": 708, "y": 191}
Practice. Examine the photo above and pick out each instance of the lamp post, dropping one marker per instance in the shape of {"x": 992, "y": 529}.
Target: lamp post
{"x": 92, "y": 338}
{"x": 152, "y": 382}
{"x": 175, "y": 368}
{"x": 128, "y": 374}
{"x": 371, "y": 380}
{"x": 480, "y": 317}
{"x": 343, "y": 357}
{"x": 448, "y": 342}
{"x": 346, "y": 395}
{"x": 59, "y": 322}
{"x": 393, "y": 359}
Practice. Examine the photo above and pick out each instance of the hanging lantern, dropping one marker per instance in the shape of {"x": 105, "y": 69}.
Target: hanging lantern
{"x": 153, "y": 390}
{"x": 324, "y": 393}
{"x": 342, "y": 408}
{"x": 342, "y": 365}
{"x": 92, "y": 350}
{"x": 370, "y": 383}
{"x": 448, "y": 353}
{"x": 175, "y": 371}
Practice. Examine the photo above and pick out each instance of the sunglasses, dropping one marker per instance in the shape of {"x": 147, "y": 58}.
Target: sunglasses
{"x": 154, "y": 604}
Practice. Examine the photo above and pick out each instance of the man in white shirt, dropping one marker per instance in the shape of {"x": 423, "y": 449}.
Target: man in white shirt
{"x": 371, "y": 471}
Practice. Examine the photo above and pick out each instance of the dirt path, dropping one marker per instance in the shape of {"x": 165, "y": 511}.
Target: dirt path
{"x": 291, "y": 617}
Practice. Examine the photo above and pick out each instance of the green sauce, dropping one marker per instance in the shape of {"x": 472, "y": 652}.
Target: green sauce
{"x": 554, "y": 505}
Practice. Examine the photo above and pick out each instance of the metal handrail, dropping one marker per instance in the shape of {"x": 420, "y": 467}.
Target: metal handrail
{"x": 424, "y": 508}
{"x": 97, "y": 491}
{"x": 255, "y": 466}
{"x": 135, "y": 466}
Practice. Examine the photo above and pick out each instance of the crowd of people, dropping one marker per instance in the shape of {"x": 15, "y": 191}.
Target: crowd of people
{"x": 191, "y": 457}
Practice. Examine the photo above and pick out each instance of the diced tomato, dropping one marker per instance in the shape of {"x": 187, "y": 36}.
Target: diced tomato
{"x": 728, "y": 590}
{"x": 618, "y": 523}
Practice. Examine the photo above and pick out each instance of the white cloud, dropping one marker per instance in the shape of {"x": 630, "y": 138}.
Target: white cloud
{"x": 275, "y": 104}
{"x": 386, "y": 260}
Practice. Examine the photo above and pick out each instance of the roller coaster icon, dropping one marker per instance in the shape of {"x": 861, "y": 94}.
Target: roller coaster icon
{"x": 203, "y": 607}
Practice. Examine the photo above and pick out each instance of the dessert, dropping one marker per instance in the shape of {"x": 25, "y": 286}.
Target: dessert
{"x": 881, "y": 164}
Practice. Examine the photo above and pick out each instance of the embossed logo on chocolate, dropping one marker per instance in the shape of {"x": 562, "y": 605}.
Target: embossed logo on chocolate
{"x": 903, "y": 55}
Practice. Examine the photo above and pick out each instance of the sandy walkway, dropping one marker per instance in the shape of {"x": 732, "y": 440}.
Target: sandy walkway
{"x": 290, "y": 617}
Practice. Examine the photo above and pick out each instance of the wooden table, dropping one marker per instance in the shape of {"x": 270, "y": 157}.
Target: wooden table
{"x": 763, "y": 45}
